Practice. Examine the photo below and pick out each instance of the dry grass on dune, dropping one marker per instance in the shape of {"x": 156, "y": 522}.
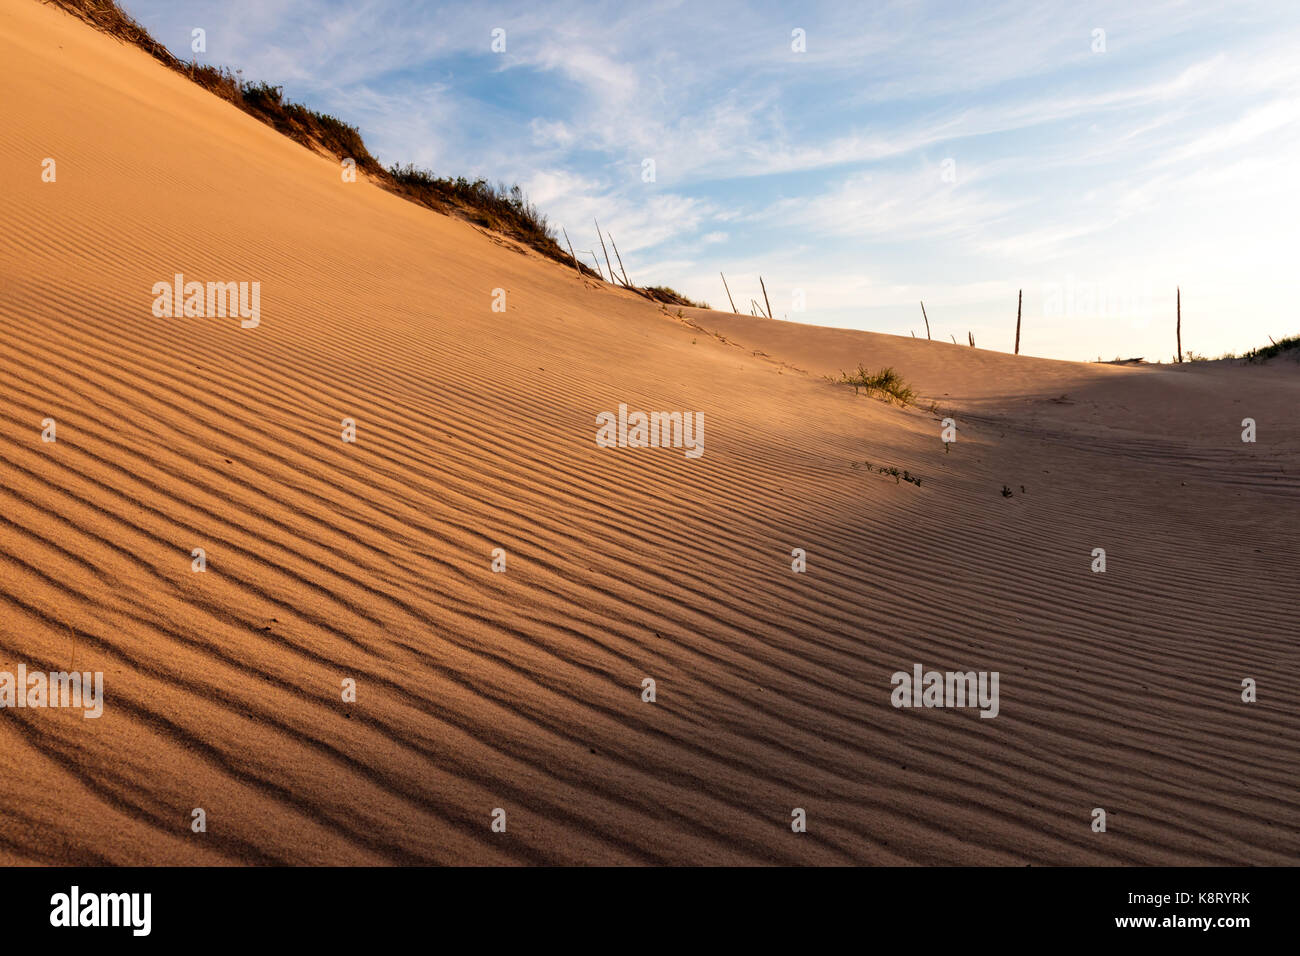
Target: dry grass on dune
{"x": 372, "y": 561}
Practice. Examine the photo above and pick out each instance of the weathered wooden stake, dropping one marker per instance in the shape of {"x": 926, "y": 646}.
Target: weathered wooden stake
{"x": 1019, "y": 298}
{"x": 626, "y": 284}
{"x": 575, "y": 258}
{"x": 604, "y": 250}
{"x": 1178, "y": 329}
{"x": 927, "y": 322}
{"x": 729, "y": 298}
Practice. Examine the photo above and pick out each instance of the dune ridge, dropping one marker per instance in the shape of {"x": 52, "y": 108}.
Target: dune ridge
{"x": 521, "y": 690}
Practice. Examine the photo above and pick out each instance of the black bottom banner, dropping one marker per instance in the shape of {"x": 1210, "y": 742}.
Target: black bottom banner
{"x": 1218, "y": 906}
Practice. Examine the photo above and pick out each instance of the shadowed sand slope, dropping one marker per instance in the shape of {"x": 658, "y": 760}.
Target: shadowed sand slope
{"x": 371, "y": 561}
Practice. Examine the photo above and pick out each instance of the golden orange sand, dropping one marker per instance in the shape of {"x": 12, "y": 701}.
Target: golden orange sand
{"x": 522, "y": 690}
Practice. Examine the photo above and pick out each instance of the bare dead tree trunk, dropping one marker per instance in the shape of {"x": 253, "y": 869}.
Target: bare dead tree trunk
{"x": 596, "y": 259}
{"x": 729, "y": 298}
{"x": 927, "y": 322}
{"x": 769, "y": 304}
{"x": 971, "y": 337}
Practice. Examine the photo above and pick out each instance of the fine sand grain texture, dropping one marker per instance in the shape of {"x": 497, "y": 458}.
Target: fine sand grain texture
{"x": 521, "y": 690}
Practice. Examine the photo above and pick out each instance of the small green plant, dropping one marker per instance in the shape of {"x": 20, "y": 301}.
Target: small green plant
{"x": 886, "y": 382}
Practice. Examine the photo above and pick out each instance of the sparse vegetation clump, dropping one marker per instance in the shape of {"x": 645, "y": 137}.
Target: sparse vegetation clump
{"x": 662, "y": 293}
{"x": 1266, "y": 352}
{"x": 499, "y": 208}
{"x": 894, "y": 473}
{"x": 885, "y": 383}
{"x": 113, "y": 20}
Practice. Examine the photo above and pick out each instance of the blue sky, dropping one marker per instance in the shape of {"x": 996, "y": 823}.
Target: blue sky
{"x": 953, "y": 152}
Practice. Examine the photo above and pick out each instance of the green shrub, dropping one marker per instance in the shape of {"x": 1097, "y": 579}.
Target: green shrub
{"x": 886, "y": 382}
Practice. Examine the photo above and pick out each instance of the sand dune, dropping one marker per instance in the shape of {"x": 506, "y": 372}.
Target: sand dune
{"x": 521, "y": 690}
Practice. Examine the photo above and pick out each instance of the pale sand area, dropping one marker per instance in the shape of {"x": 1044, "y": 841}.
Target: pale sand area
{"x": 476, "y": 431}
